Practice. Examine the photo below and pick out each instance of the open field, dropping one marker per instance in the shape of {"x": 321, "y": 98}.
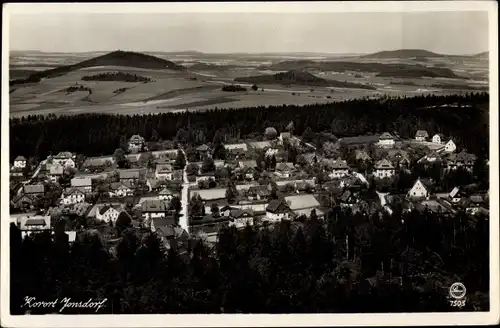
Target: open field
{"x": 174, "y": 91}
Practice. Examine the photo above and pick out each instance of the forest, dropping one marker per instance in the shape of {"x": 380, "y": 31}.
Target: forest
{"x": 347, "y": 263}
{"x": 461, "y": 117}
{"x": 233, "y": 88}
{"x": 116, "y": 76}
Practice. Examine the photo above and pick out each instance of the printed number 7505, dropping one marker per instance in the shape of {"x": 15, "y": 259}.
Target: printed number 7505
{"x": 457, "y": 303}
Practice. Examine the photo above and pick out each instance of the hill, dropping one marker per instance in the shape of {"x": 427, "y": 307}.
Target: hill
{"x": 482, "y": 55}
{"x": 388, "y": 70}
{"x": 403, "y": 53}
{"x": 299, "y": 77}
{"x": 207, "y": 67}
{"x": 115, "y": 58}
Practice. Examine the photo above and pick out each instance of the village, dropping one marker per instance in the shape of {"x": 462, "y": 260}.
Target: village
{"x": 182, "y": 192}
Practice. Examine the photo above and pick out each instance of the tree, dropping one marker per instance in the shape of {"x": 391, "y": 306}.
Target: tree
{"x": 180, "y": 160}
{"x": 122, "y": 222}
{"x": 175, "y": 204}
{"x": 120, "y": 159}
{"x": 231, "y": 193}
{"x": 214, "y": 209}
{"x": 270, "y": 133}
{"x": 192, "y": 169}
{"x": 290, "y": 127}
{"x": 182, "y": 136}
{"x": 208, "y": 165}
{"x": 196, "y": 206}
{"x": 255, "y": 87}
{"x": 308, "y": 135}
{"x": 219, "y": 151}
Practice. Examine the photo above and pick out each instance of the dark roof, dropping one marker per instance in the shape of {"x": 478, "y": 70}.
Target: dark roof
{"x": 135, "y": 174}
{"x": 285, "y": 167}
{"x": 163, "y": 222}
{"x": 422, "y": 133}
{"x": 345, "y": 196}
{"x": 261, "y": 190}
{"x": 64, "y": 154}
{"x": 238, "y": 213}
{"x": 361, "y": 154}
{"x": 165, "y": 231}
{"x": 31, "y": 222}
{"x": 105, "y": 208}
{"x": 202, "y": 148}
{"x": 17, "y": 198}
{"x": 164, "y": 168}
{"x": 154, "y": 205}
{"x": 359, "y": 140}
{"x": 72, "y": 190}
{"x": 20, "y": 158}
{"x": 116, "y": 185}
{"x": 277, "y": 206}
{"x": 476, "y": 199}
{"x": 384, "y": 164}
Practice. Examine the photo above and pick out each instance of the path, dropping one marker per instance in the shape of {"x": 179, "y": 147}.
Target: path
{"x": 184, "y": 220}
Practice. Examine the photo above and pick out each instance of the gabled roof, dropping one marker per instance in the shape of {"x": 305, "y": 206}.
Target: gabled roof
{"x": 250, "y": 163}
{"x": 154, "y": 206}
{"x": 202, "y": 148}
{"x": 422, "y": 133}
{"x": 136, "y": 138}
{"x": 440, "y": 135}
{"x": 20, "y": 158}
{"x": 119, "y": 185}
{"x": 277, "y": 206}
{"x": 154, "y": 183}
{"x": 130, "y": 174}
{"x": 164, "y": 168}
{"x": 35, "y": 222}
{"x": 34, "y": 189}
{"x": 73, "y": 190}
{"x": 164, "y": 222}
{"x": 19, "y": 197}
{"x": 284, "y": 167}
{"x": 64, "y": 155}
{"x": 165, "y": 231}
{"x": 239, "y": 213}
{"x": 261, "y": 190}
{"x": 338, "y": 164}
{"x": 81, "y": 182}
{"x": 106, "y": 208}
{"x": 165, "y": 191}
{"x": 56, "y": 169}
{"x": 384, "y": 164}
{"x": 362, "y": 155}
{"x": 454, "y": 192}
{"x": 386, "y": 136}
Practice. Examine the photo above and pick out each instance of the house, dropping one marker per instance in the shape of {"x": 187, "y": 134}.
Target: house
{"x": 33, "y": 224}
{"x": 240, "y": 218}
{"x": 110, "y": 212}
{"x": 161, "y": 222}
{"x": 399, "y": 158}
{"x": 384, "y": 169}
{"x": 438, "y": 138}
{"x": 136, "y": 143}
{"x": 422, "y": 188}
{"x": 277, "y": 210}
{"x": 84, "y": 184}
{"x": 205, "y": 177}
{"x": 55, "y": 172}
{"x": 72, "y": 195}
{"x": 386, "y": 140}
{"x": 271, "y": 152}
{"x": 284, "y": 136}
{"x": 450, "y": 146}
{"x": 338, "y": 167}
{"x": 247, "y": 164}
{"x": 421, "y": 135}
{"x": 34, "y": 190}
{"x": 203, "y": 150}
{"x": 258, "y": 192}
{"x": 166, "y": 194}
{"x": 362, "y": 155}
{"x": 131, "y": 176}
{"x": 456, "y": 195}
{"x": 462, "y": 159}
{"x": 164, "y": 172}
{"x": 153, "y": 184}
{"x": 98, "y": 161}
{"x": 348, "y": 199}
{"x": 66, "y": 159}
{"x": 20, "y": 162}
{"x": 120, "y": 189}
{"x": 23, "y": 201}
{"x": 473, "y": 205}
{"x": 430, "y": 158}
{"x": 154, "y": 209}
{"x": 284, "y": 170}
{"x": 16, "y": 171}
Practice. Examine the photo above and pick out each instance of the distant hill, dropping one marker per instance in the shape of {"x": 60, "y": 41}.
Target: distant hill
{"x": 115, "y": 58}
{"x": 482, "y": 55}
{"x": 207, "y": 67}
{"x": 299, "y": 77}
{"x": 403, "y": 53}
{"x": 387, "y": 70}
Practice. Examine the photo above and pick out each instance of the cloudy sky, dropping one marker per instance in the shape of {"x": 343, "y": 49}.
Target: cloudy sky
{"x": 442, "y": 32}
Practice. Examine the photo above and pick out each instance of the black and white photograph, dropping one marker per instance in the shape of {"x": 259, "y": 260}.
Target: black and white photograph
{"x": 214, "y": 161}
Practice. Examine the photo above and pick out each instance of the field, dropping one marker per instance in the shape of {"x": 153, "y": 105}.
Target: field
{"x": 198, "y": 90}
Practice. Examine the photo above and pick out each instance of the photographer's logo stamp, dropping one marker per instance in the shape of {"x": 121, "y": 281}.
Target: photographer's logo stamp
{"x": 457, "y": 294}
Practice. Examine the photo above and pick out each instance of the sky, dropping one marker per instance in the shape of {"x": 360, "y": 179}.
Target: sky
{"x": 348, "y": 32}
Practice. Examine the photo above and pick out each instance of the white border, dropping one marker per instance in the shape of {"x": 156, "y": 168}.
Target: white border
{"x": 239, "y": 320}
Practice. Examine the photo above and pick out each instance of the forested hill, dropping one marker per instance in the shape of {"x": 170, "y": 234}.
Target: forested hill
{"x": 404, "y": 53}
{"x": 115, "y": 58}
{"x": 299, "y": 77}
{"x": 99, "y": 134}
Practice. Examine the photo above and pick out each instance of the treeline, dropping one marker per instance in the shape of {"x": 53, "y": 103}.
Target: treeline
{"x": 101, "y": 134}
{"x": 116, "y": 76}
{"x": 350, "y": 263}
{"x": 75, "y": 88}
{"x": 233, "y": 88}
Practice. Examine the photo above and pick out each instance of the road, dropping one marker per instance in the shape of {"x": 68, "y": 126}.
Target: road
{"x": 305, "y": 143}
{"x": 184, "y": 220}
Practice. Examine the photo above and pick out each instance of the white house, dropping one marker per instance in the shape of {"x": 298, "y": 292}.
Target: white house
{"x": 284, "y": 136}
{"x": 120, "y": 189}
{"x": 84, "y": 184}
{"x": 164, "y": 172}
{"x": 55, "y": 172}
{"x": 339, "y": 168}
{"x": 384, "y": 169}
{"x": 110, "y": 213}
{"x": 72, "y": 196}
{"x": 240, "y": 218}
{"x": 421, "y": 135}
{"x": 461, "y": 160}
{"x": 276, "y": 211}
{"x": 66, "y": 159}
{"x": 386, "y": 140}
{"x": 421, "y": 189}
{"x": 205, "y": 177}
{"x": 31, "y": 224}
{"x": 284, "y": 170}
{"x": 20, "y": 162}
{"x": 154, "y": 209}
{"x": 450, "y": 146}
{"x": 165, "y": 194}
{"x": 438, "y": 138}
{"x": 455, "y": 195}
{"x": 136, "y": 142}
